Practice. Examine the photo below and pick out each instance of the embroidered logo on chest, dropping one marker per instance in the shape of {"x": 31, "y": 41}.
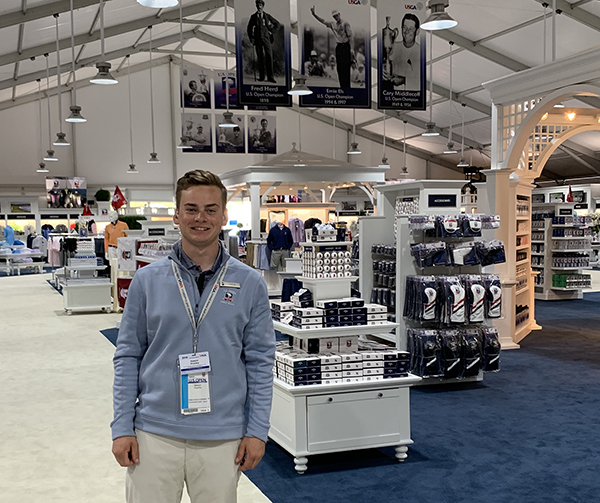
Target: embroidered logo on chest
{"x": 228, "y": 298}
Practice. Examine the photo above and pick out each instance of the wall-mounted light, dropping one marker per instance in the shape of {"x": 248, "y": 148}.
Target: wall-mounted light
{"x": 545, "y": 116}
{"x": 571, "y": 116}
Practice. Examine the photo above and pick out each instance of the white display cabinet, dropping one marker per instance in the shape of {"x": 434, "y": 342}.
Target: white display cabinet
{"x": 319, "y": 419}
{"x": 548, "y": 252}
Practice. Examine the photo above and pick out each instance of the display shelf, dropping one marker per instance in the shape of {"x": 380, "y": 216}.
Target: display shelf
{"x": 522, "y": 247}
{"x": 565, "y": 226}
{"x": 522, "y": 290}
{"x": 524, "y": 261}
{"x": 560, "y": 289}
{"x": 363, "y": 385}
{"x": 538, "y": 242}
{"x": 560, "y": 238}
{"x": 85, "y": 267}
{"x": 143, "y": 258}
{"x": 319, "y": 333}
{"x": 523, "y": 218}
{"x": 567, "y": 268}
{"x": 536, "y": 254}
{"x": 578, "y": 250}
{"x": 522, "y": 329}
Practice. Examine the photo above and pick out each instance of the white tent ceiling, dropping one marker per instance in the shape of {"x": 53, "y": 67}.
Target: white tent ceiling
{"x": 492, "y": 39}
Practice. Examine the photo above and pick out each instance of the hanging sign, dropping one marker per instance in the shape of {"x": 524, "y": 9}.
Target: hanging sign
{"x": 221, "y": 91}
{"x": 230, "y": 140}
{"x": 335, "y": 52}
{"x": 401, "y": 59}
{"x": 261, "y": 134}
{"x": 195, "y": 86}
{"x": 197, "y": 129}
{"x": 263, "y": 52}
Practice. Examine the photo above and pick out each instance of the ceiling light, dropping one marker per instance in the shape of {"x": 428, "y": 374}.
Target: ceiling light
{"x": 450, "y": 148}
{"x": 153, "y": 156}
{"x": 559, "y": 105}
{"x": 430, "y": 131}
{"x": 571, "y": 116}
{"x": 60, "y": 136}
{"x": 75, "y": 112}
{"x": 103, "y": 76}
{"x": 300, "y": 88}
{"x": 43, "y": 168}
{"x": 545, "y": 116}
{"x": 462, "y": 163}
{"x": 184, "y": 143}
{"x": 50, "y": 156}
{"x": 61, "y": 140}
{"x": 132, "y": 165}
{"x": 354, "y": 149}
{"x": 227, "y": 120}
{"x": 132, "y": 169}
{"x": 438, "y": 19}
{"x": 404, "y": 172}
{"x": 157, "y": 4}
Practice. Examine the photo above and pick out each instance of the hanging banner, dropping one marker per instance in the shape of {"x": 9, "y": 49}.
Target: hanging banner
{"x": 261, "y": 134}
{"x": 198, "y": 132}
{"x": 231, "y": 140}
{"x": 221, "y": 90}
{"x": 263, "y": 52}
{"x": 401, "y": 61}
{"x": 64, "y": 192}
{"x": 335, "y": 50}
{"x": 196, "y": 86}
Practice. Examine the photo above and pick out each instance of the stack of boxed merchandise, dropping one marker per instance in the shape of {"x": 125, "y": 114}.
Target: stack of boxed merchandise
{"x": 298, "y": 368}
{"x": 344, "y": 312}
{"x": 85, "y": 256}
{"x": 327, "y": 262}
{"x": 282, "y": 311}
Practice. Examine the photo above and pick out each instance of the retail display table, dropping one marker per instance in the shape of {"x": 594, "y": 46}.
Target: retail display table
{"x": 11, "y": 266}
{"x": 319, "y": 419}
{"x": 87, "y": 295}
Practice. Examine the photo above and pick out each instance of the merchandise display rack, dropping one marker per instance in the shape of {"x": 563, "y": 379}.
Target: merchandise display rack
{"x": 549, "y": 250}
{"x": 320, "y": 419}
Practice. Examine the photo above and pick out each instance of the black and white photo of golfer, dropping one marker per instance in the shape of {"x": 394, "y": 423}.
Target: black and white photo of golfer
{"x": 335, "y": 50}
{"x": 263, "y": 50}
{"x": 261, "y": 134}
{"x": 197, "y": 131}
{"x": 196, "y": 87}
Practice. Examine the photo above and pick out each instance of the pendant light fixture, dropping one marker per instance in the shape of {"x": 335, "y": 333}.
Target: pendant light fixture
{"x": 404, "y": 171}
{"x": 354, "y": 146}
{"x": 438, "y": 19}
{"x": 450, "y": 145}
{"x": 384, "y": 159}
{"x": 430, "y": 126}
{"x": 103, "y": 76}
{"x": 75, "y": 110}
{"x": 300, "y": 88}
{"x": 60, "y": 136}
{"x": 158, "y": 4}
{"x": 184, "y": 139}
{"x": 462, "y": 163}
{"x": 42, "y": 166}
{"x": 227, "y": 115}
{"x": 153, "y": 155}
{"x": 131, "y": 166}
{"x": 49, "y": 153}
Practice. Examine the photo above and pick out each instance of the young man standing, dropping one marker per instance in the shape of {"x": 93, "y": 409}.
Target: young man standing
{"x": 195, "y": 347}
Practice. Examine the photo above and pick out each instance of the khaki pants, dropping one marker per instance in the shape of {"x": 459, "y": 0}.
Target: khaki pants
{"x": 278, "y": 259}
{"x": 205, "y": 466}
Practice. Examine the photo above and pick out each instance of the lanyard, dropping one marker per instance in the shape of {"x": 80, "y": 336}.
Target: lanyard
{"x": 187, "y": 303}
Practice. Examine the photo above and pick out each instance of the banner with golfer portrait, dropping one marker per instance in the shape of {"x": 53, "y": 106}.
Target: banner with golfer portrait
{"x": 401, "y": 55}
{"x": 261, "y": 134}
{"x": 335, "y": 52}
{"x": 231, "y": 140}
{"x": 197, "y": 131}
{"x": 195, "y": 86}
{"x": 263, "y": 52}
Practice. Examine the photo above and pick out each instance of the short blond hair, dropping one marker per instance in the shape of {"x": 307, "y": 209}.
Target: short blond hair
{"x": 199, "y": 177}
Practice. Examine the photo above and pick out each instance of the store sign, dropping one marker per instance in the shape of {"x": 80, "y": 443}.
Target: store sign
{"x": 156, "y": 232}
{"x": 582, "y": 206}
{"x": 565, "y": 211}
{"x": 349, "y": 213}
{"x": 74, "y": 217}
{"x": 20, "y": 217}
{"x": 1, "y": 217}
{"x": 442, "y": 200}
{"x": 53, "y": 217}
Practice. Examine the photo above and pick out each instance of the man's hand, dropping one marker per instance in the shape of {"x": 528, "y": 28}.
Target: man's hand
{"x": 250, "y": 452}
{"x": 126, "y": 451}
{"x": 312, "y": 9}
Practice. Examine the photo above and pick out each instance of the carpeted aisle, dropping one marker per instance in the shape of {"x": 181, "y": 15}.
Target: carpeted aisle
{"x": 527, "y": 434}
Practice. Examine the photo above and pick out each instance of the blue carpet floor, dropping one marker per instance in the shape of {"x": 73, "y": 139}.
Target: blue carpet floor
{"x": 528, "y": 434}
{"x": 111, "y": 334}
{"x": 25, "y": 272}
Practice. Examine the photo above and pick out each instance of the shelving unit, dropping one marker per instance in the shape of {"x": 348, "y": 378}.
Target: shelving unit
{"x": 545, "y": 288}
{"x": 319, "y": 419}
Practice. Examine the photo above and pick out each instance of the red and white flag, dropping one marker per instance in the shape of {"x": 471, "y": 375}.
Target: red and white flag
{"x": 118, "y": 198}
{"x": 570, "y": 195}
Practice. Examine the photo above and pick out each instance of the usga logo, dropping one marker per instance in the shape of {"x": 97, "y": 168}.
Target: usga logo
{"x": 418, "y": 6}
{"x": 358, "y": 2}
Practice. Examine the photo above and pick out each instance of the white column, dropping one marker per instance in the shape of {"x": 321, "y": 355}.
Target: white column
{"x": 255, "y": 209}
